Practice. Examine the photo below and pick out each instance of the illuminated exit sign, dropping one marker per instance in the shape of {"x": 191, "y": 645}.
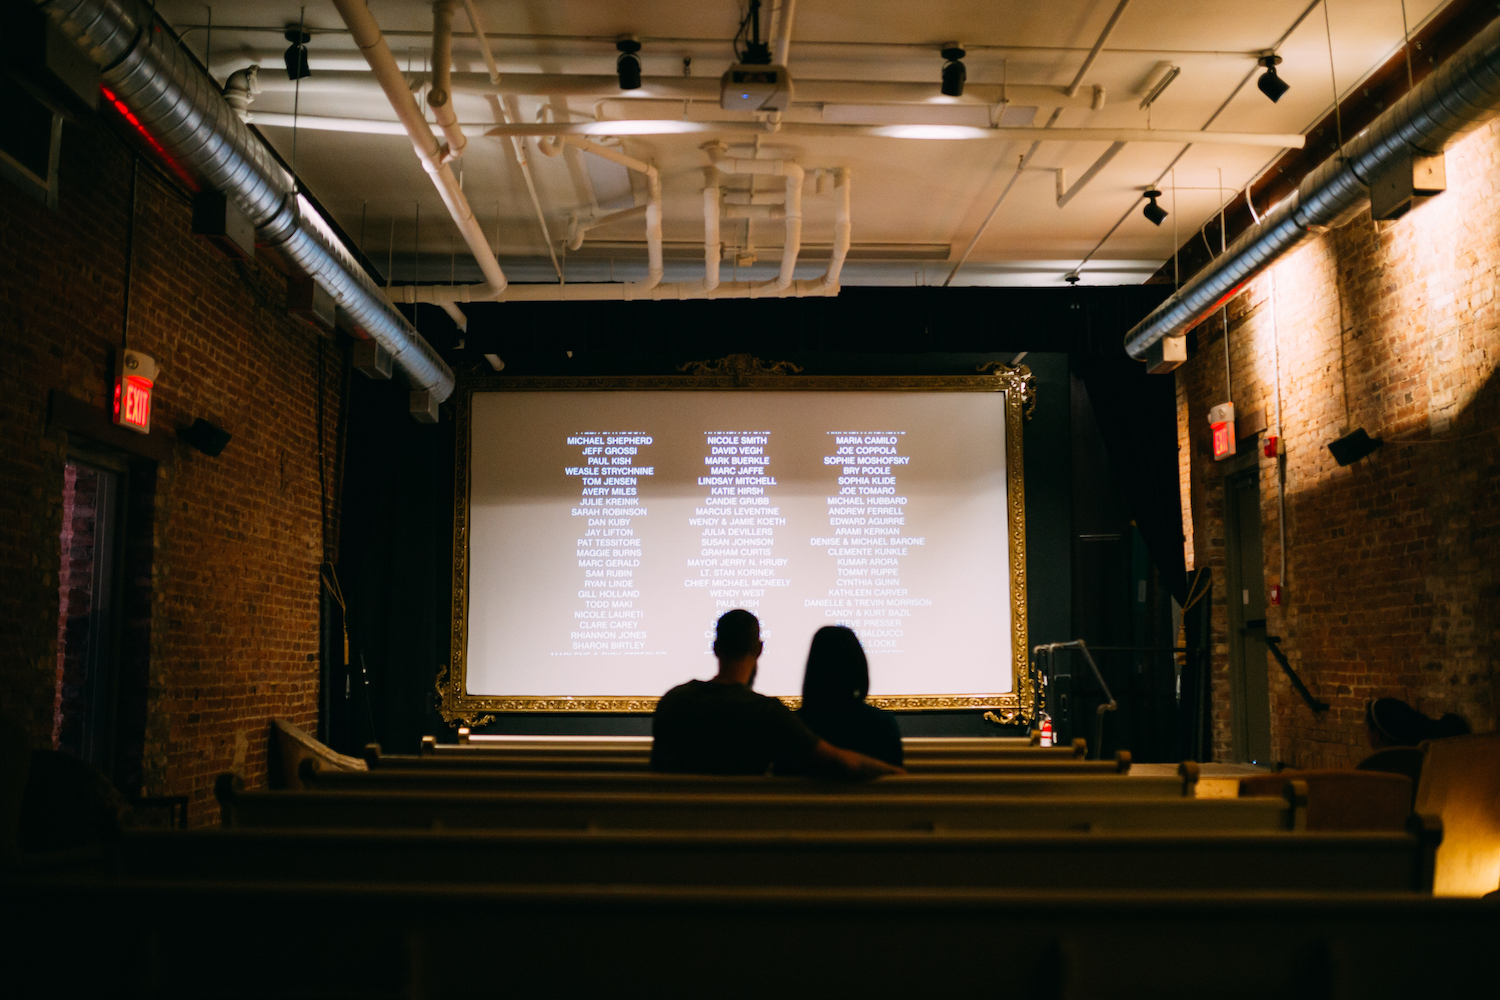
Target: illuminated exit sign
{"x": 135, "y": 375}
{"x": 1221, "y": 421}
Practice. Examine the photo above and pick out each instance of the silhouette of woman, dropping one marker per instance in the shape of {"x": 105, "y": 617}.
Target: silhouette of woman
{"x": 833, "y": 698}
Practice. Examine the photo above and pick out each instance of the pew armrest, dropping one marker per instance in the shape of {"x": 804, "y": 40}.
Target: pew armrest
{"x": 1428, "y": 829}
{"x": 1189, "y": 771}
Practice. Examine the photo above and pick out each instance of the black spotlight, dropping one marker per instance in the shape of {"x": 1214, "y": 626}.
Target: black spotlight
{"x": 628, "y": 65}
{"x": 1353, "y": 446}
{"x": 1269, "y": 83}
{"x": 954, "y": 73}
{"x": 205, "y": 437}
{"x": 296, "y": 53}
{"x": 1153, "y": 211}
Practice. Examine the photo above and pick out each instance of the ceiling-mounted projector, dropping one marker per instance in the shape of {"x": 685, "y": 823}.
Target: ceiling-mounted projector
{"x": 755, "y": 87}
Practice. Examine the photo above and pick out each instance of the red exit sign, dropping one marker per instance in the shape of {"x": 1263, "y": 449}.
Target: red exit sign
{"x": 1221, "y": 421}
{"x": 133, "y": 384}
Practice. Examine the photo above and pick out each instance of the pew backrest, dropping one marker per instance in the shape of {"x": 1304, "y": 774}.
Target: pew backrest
{"x": 1153, "y": 861}
{"x": 745, "y": 811}
{"x": 1019, "y": 762}
{"x": 1461, "y": 784}
{"x": 1343, "y": 799}
{"x": 391, "y": 776}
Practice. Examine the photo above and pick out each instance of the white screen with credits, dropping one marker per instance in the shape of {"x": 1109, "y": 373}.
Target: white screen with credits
{"x": 608, "y": 530}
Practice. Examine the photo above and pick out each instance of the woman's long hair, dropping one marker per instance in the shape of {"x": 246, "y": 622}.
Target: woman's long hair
{"x": 838, "y": 675}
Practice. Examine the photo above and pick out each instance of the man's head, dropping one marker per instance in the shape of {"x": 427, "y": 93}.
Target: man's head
{"x": 737, "y": 644}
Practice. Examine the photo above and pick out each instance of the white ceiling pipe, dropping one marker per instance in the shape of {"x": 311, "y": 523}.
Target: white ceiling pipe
{"x": 612, "y": 292}
{"x": 613, "y": 155}
{"x": 713, "y": 250}
{"x": 440, "y": 94}
{"x": 809, "y": 93}
{"x": 457, "y": 315}
{"x": 841, "y": 228}
{"x": 792, "y": 210}
{"x": 671, "y": 126}
{"x": 754, "y": 211}
{"x": 579, "y": 228}
{"x": 748, "y": 198}
{"x": 1065, "y": 196}
{"x": 782, "y": 43}
{"x": 1088, "y": 62}
{"x": 377, "y": 53}
{"x": 484, "y": 43}
{"x": 703, "y": 88}
{"x": 363, "y": 126}
{"x": 499, "y": 108}
{"x": 654, "y": 268}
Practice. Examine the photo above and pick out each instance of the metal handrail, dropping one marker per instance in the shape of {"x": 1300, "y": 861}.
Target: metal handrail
{"x": 1050, "y": 649}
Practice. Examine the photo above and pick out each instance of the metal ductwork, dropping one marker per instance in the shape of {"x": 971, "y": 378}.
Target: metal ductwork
{"x": 1458, "y": 97}
{"x": 180, "y": 107}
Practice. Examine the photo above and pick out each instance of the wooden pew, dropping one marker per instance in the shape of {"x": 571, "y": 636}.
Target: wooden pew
{"x": 1020, "y": 761}
{"x": 746, "y": 811}
{"x": 639, "y": 749}
{"x": 392, "y": 776}
{"x": 1461, "y": 783}
{"x": 378, "y": 940}
{"x": 549, "y": 744}
{"x": 1156, "y": 861}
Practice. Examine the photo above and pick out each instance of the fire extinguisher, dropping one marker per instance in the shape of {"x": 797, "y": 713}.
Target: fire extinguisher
{"x": 1046, "y": 730}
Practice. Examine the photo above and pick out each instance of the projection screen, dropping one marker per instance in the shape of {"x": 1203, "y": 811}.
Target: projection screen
{"x": 602, "y": 531}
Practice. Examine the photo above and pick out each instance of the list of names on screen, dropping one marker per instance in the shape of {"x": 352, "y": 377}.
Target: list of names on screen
{"x": 609, "y": 529}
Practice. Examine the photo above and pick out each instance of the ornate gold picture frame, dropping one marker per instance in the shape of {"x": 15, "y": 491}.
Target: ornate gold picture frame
{"x": 742, "y": 371}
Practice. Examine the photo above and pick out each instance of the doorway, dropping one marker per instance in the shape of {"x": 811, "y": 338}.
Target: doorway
{"x": 1246, "y": 600}
{"x": 87, "y": 620}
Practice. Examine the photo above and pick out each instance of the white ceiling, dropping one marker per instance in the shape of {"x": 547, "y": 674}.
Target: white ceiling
{"x": 923, "y": 199}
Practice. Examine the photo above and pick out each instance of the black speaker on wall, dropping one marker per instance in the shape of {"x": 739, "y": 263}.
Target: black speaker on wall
{"x": 204, "y": 436}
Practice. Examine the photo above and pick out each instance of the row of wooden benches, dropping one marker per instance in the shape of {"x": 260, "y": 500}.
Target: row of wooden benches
{"x": 441, "y": 873}
{"x": 431, "y": 940}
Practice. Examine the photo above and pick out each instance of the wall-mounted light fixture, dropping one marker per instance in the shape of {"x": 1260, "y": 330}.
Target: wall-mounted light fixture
{"x": 1354, "y": 446}
{"x": 206, "y": 437}
{"x": 1269, "y": 83}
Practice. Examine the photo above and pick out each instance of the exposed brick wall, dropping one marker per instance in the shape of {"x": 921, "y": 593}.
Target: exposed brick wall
{"x": 1391, "y": 585}
{"x": 235, "y": 541}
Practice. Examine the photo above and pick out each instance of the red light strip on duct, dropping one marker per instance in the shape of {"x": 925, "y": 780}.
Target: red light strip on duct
{"x": 1215, "y": 307}
{"x": 150, "y": 139}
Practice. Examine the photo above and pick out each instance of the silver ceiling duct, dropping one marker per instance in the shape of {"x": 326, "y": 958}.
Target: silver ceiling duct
{"x": 181, "y": 108}
{"x": 1458, "y": 97}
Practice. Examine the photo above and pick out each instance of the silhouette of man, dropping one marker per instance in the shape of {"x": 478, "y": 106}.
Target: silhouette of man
{"x": 721, "y": 726}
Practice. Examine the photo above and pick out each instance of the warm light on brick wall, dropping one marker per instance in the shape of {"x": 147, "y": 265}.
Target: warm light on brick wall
{"x": 1391, "y": 587}
{"x": 238, "y": 539}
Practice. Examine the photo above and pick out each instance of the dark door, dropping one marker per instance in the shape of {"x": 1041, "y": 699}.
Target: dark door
{"x": 87, "y": 587}
{"x": 1247, "y": 617}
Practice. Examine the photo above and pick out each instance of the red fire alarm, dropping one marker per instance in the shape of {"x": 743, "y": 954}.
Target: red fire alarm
{"x": 135, "y": 375}
{"x": 1221, "y": 419}
{"x": 1270, "y": 446}
{"x": 1275, "y": 589}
